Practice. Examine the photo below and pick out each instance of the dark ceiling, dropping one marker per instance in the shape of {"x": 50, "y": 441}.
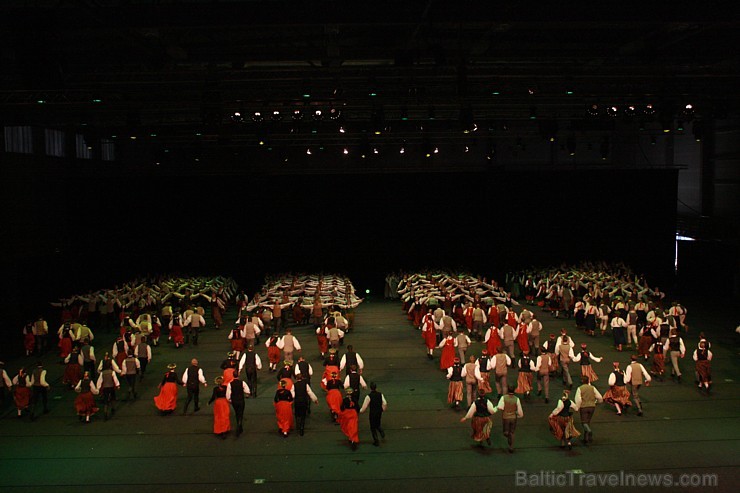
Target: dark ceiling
{"x": 408, "y": 69}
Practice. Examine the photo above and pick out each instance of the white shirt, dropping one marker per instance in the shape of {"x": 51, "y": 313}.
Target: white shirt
{"x": 472, "y": 408}
{"x": 360, "y": 363}
{"x": 366, "y": 403}
{"x": 201, "y": 377}
{"x": 559, "y": 407}
{"x": 628, "y": 373}
{"x": 245, "y": 388}
{"x": 519, "y": 412}
{"x": 243, "y": 361}
{"x": 597, "y": 394}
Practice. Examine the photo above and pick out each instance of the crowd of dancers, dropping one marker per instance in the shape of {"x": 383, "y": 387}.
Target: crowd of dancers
{"x": 454, "y": 311}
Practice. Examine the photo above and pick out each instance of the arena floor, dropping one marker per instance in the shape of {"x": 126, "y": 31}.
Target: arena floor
{"x": 426, "y": 449}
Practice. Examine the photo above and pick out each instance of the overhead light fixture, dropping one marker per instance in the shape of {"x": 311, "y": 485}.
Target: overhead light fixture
{"x": 317, "y": 115}
{"x": 612, "y": 111}
{"x": 237, "y": 117}
{"x": 334, "y": 113}
{"x": 345, "y": 151}
{"x": 593, "y": 110}
{"x": 649, "y": 109}
{"x": 276, "y": 116}
{"x": 258, "y": 117}
{"x": 630, "y": 110}
{"x": 297, "y": 115}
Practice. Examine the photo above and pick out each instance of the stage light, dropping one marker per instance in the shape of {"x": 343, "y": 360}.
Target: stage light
{"x": 630, "y": 110}
{"x": 133, "y": 137}
{"x": 531, "y": 91}
{"x": 334, "y": 113}
{"x": 688, "y": 110}
{"x": 317, "y": 115}
{"x": 257, "y": 117}
{"x": 495, "y": 92}
{"x": 345, "y": 151}
{"x": 41, "y": 101}
{"x": 276, "y": 116}
{"x": 612, "y": 111}
{"x": 569, "y": 92}
{"x": 237, "y": 117}
{"x": 341, "y": 129}
{"x": 297, "y": 115}
{"x": 649, "y": 109}
{"x": 97, "y": 100}
{"x": 466, "y": 149}
{"x": 402, "y": 150}
{"x": 436, "y": 150}
{"x": 375, "y": 150}
{"x": 152, "y": 134}
{"x": 308, "y": 151}
{"x": 367, "y": 291}
{"x": 593, "y": 110}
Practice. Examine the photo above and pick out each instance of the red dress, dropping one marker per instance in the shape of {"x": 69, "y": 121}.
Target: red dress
{"x": 334, "y": 398}
{"x": 448, "y": 354}
{"x": 348, "y": 419}
{"x": 167, "y": 398}
{"x": 176, "y": 335}
{"x": 428, "y": 333}
{"x": 21, "y": 396}
{"x": 29, "y": 343}
{"x": 493, "y": 342}
{"x": 493, "y": 317}
{"x": 72, "y": 372}
{"x": 284, "y": 410}
{"x": 221, "y": 411}
{"x": 322, "y": 341}
{"x": 522, "y": 339}
{"x": 65, "y": 347}
{"x": 85, "y": 402}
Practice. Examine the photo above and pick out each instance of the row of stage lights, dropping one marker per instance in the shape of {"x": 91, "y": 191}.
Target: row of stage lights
{"x": 649, "y": 109}
{"x": 296, "y": 115}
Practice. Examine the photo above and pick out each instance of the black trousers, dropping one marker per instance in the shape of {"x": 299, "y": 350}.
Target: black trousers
{"x": 252, "y": 380}
{"x": 131, "y": 380}
{"x": 375, "y": 426}
{"x": 238, "y": 412}
{"x": 39, "y": 392}
{"x": 193, "y": 394}
{"x": 301, "y": 409}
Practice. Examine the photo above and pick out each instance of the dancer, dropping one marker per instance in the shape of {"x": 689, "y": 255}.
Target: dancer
{"x": 333, "y": 387}
{"x": 21, "y": 391}
{"x": 192, "y": 377}
{"x": 455, "y": 389}
{"x": 587, "y": 396}
{"x": 676, "y": 349}
{"x": 251, "y": 363}
{"x": 524, "y": 379}
{"x": 561, "y": 421}
{"x": 283, "y": 404}
{"x": 303, "y": 396}
{"x": 585, "y": 357}
{"x": 236, "y": 392}
{"x": 221, "y": 409}
{"x": 618, "y": 395}
{"x": 376, "y": 403}
{"x": 348, "y": 419}
{"x": 511, "y": 407}
{"x": 448, "y": 352}
{"x": 480, "y": 412}
{"x": 635, "y": 375}
{"x": 166, "y": 400}
{"x": 85, "y": 402}
{"x": 703, "y": 358}
{"x": 40, "y": 389}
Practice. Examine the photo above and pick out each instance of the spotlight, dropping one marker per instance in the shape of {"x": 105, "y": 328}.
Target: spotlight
{"x": 649, "y": 109}
{"x": 345, "y": 151}
{"x": 341, "y": 129}
{"x": 257, "y": 116}
{"x": 612, "y": 111}
{"x": 237, "y": 117}
{"x": 436, "y": 150}
{"x": 276, "y": 116}
{"x": 630, "y": 110}
{"x": 317, "y": 115}
{"x": 593, "y": 110}
{"x": 297, "y": 115}
{"x": 688, "y": 110}
{"x": 375, "y": 150}
{"x": 308, "y": 151}
{"x": 334, "y": 113}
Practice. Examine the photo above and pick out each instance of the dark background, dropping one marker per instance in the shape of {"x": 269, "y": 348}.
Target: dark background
{"x": 75, "y": 231}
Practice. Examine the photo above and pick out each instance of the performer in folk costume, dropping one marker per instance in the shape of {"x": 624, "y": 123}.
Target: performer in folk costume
{"x": 703, "y": 358}
{"x": 333, "y": 387}
{"x": 585, "y": 357}
{"x": 321, "y": 339}
{"x": 587, "y": 396}
{"x": 658, "y": 368}
{"x": 349, "y": 417}
{"x": 429, "y": 334}
{"x": 455, "y": 387}
{"x": 166, "y": 400}
{"x": 618, "y": 395}
{"x": 524, "y": 380}
{"x": 561, "y": 421}
{"x": 221, "y": 409}
{"x": 480, "y": 412}
{"x": 22, "y": 391}
{"x": 484, "y": 365}
{"x": 448, "y": 352}
{"x": 283, "y": 403}
{"x": 85, "y": 401}
{"x": 492, "y": 340}
{"x": 273, "y": 351}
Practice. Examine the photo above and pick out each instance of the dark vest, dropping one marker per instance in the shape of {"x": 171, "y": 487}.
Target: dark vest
{"x": 303, "y": 366}
{"x": 354, "y": 381}
{"x": 351, "y": 359}
{"x": 585, "y": 358}
{"x": 481, "y": 408}
{"x": 250, "y": 361}
{"x": 376, "y": 402}
{"x": 456, "y": 373}
{"x": 525, "y": 364}
{"x": 193, "y": 377}
{"x": 674, "y": 343}
{"x": 237, "y": 392}
{"x": 565, "y": 412}
{"x": 619, "y": 375}
{"x": 301, "y": 391}
{"x": 483, "y": 364}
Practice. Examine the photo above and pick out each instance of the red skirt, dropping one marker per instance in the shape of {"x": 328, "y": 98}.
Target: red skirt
{"x": 156, "y": 331}
{"x": 430, "y": 338}
{"x": 22, "y": 396}
{"x": 29, "y": 342}
{"x": 493, "y": 343}
{"x": 228, "y": 376}
{"x": 562, "y": 427}
{"x": 704, "y": 369}
{"x": 284, "y": 415}
{"x": 85, "y": 404}
{"x": 72, "y": 373}
{"x": 448, "y": 356}
{"x": 176, "y": 335}
{"x": 348, "y": 421}
{"x": 643, "y": 345}
{"x": 481, "y": 428}
{"x": 618, "y": 394}
{"x": 658, "y": 363}
{"x": 221, "y": 415}
{"x": 524, "y": 382}
{"x": 273, "y": 354}
{"x": 455, "y": 392}
{"x": 237, "y": 345}
{"x": 167, "y": 398}
{"x": 588, "y": 371}
{"x": 523, "y": 341}
{"x": 323, "y": 343}
{"x": 334, "y": 400}
{"x": 484, "y": 383}
{"x": 65, "y": 347}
